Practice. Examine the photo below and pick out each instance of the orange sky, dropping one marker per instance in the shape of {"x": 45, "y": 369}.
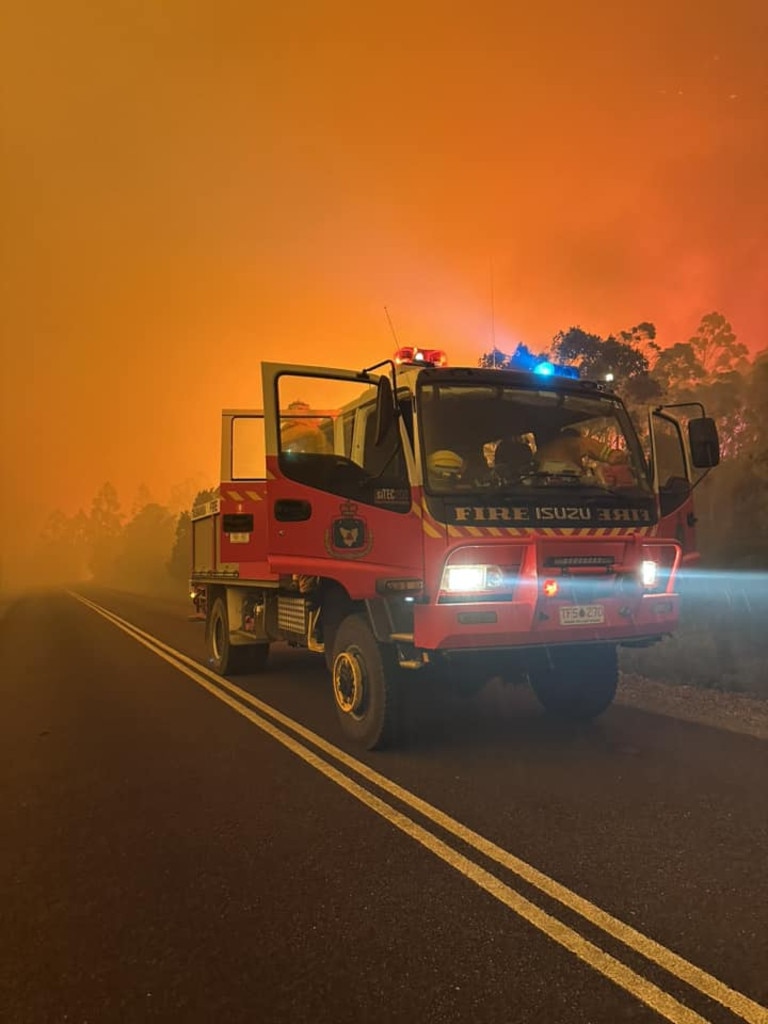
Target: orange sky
{"x": 189, "y": 188}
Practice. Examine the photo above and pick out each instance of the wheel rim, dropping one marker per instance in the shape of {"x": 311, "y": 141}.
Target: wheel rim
{"x": 349, "y": 683}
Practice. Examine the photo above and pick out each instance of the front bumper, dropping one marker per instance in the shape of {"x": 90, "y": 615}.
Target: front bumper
{"x": 521, "y": 624}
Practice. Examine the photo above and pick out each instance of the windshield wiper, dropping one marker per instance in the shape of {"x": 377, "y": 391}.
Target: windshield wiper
{"x": 591, "y": 486}
{"x": 600, "y": 490}
{"x": 572, "y": 479}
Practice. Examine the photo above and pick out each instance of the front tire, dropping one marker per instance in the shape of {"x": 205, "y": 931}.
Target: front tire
{"x": 578, "y": 683}
{"x": 366, "y": 686}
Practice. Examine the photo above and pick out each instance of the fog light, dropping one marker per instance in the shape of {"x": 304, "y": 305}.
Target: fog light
{"x": 550, "y": 588}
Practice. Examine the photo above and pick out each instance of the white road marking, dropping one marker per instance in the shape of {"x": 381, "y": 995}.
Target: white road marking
{"x": 603, "y": 962}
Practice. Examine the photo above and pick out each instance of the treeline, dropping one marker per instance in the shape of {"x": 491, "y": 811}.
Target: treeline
{"x": 714, "y": 368}
{"x": 148, "y": 549}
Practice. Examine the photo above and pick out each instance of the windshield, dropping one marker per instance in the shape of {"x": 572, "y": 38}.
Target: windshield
{"x": 502, "y": 438}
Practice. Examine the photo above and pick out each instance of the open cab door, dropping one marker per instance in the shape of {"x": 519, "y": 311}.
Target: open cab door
{"x": 339, "y": 465}
{"x": 675, "y": 457}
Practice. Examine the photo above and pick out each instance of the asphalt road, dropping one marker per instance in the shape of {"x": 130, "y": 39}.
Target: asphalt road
{"x": 170, "y": 850}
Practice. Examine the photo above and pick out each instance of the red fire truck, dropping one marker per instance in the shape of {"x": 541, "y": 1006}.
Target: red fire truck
{"x": 416, "y": 520}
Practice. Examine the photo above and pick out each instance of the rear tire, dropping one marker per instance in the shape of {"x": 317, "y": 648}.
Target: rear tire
{"x": 578, "y": 684}
{"x": 366, "y": 686}
{"x": 224, "y": 658}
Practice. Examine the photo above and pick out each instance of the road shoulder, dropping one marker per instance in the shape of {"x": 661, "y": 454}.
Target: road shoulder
{"x": 735, "y": 712}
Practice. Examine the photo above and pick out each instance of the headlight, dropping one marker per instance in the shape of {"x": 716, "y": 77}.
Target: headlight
{"x": 649, "y": 572}
{"x": 464, "y": 579}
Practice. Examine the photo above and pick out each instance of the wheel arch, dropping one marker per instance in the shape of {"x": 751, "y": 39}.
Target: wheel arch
{"x": 335, "y": 606}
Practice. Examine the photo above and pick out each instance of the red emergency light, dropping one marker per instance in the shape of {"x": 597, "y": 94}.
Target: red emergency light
{"x": 420, "y": 357}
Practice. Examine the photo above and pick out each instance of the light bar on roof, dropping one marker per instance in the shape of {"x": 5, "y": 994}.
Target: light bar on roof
{"x": 420, "y": 357}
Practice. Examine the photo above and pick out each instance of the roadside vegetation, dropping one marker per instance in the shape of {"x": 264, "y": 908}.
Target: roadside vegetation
{"x": 722, "y": 642}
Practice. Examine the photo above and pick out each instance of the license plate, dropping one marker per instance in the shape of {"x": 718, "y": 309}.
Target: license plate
{"x": 581, "y": 614}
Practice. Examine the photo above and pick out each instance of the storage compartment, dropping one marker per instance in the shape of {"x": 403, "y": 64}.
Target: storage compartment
{"x": 204, "y": 544}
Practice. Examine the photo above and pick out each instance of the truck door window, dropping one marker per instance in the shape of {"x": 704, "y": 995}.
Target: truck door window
{"x": 384, "y": 462}
{"x": 326, "y": 441}
{"x": 347, "y": 421}
{"x": 248, "y": 450}
{"x": 405, "y": 405}
{"x": 674, "y": 486}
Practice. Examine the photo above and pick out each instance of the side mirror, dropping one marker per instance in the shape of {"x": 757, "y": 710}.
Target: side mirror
{"x": 385, "y": 410}
{"x": 704, "y": 442}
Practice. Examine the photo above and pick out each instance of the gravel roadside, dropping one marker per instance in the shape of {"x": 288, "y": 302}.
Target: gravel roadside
{"x": 735, "y": 712}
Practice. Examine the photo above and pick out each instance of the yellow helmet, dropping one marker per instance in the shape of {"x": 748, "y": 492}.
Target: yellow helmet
{"x": 445, "y": 464}
{"x": 302, "y": 436}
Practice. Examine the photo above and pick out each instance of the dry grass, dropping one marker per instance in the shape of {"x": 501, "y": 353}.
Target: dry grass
{"x": 722, "y": 643}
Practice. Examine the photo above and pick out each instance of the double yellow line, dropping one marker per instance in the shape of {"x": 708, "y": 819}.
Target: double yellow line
{"x": 272, "y": 722}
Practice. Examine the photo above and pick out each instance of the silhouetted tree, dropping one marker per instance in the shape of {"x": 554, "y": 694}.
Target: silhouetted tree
{"x": 711, "y": 367}
{"x": 62, "y": 552}
{"x": 716, "y": 347}
{"x": 522, "y": 358}
{"x": 745, "y": 474}
{"x": 105, "y": 525}
{"x": 181, "y": 494}
{"x": 678, "y": 371}
{"x": 144, "y": 547}
{"x": 732, "y": 504}
{"x": 142, "y": 497}
{"x": 180, "y": 562}
{"x": 640, "y": 334}
{"x": 598, "y": 357}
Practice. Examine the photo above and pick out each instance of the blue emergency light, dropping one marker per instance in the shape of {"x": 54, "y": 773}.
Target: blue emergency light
{"x": 523, "y": 359}
{"x": 547, "y": 369}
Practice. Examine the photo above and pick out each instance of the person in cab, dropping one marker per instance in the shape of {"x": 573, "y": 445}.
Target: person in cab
{"x": 572, "y": 452}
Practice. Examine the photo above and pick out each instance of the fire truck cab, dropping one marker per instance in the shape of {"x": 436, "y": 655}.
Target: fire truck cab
{"x": 415, "y": 519}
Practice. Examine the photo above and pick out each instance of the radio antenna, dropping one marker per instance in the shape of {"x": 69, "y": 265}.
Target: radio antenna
{"x": 493, "y": 318}
{"x": 391, "y": 327}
